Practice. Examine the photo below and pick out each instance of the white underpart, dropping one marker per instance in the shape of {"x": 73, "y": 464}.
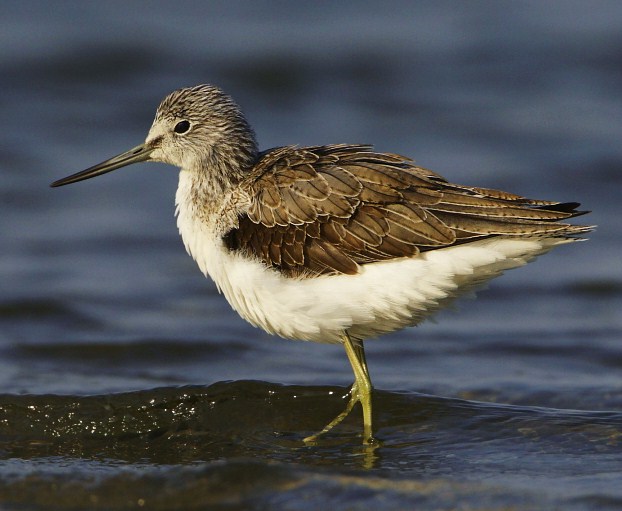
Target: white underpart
{"x": 382, "y": 298}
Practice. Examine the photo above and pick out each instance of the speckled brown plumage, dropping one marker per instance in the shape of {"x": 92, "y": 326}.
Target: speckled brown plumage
{"x": 329, "y": 209}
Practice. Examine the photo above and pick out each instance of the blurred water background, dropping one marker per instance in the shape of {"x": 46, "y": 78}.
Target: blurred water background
{"x": 126, "y": 381}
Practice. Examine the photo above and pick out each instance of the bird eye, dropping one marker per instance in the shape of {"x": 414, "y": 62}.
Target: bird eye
{"x": 182, "y": 127}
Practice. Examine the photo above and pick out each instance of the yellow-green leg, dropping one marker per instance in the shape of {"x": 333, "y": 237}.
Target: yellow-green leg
{"x": 360, "y": 391}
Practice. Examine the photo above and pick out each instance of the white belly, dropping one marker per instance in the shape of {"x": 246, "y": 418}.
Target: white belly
{"x": 382, "y": 298}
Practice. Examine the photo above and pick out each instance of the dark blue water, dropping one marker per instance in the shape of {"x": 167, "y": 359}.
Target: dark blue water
{"x": 126, "y": 380}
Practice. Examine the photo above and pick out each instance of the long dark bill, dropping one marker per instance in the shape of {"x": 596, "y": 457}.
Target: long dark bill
{"x": 137, "y": 154}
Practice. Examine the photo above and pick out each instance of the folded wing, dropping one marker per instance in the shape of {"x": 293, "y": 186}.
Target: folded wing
{"x": 329, "y": 209}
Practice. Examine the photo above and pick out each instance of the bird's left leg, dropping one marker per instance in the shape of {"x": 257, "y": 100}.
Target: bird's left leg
{"x": 362, "y": 387}
{"x": 360, "y": 391}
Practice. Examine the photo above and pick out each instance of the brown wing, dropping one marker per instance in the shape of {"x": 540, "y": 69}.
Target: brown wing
{"x": 329, "y": 209}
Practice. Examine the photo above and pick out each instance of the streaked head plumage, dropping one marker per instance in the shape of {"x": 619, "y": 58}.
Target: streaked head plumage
{"x": 199, "y": 127}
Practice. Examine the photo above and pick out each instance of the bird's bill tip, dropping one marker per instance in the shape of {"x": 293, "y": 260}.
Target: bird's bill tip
{"x": 136, "y": 154}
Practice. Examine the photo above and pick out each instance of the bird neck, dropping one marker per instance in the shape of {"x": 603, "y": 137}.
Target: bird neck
{"x": 208, "y": 197}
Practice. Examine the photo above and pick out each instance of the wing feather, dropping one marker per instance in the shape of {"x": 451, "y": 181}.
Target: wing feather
{"x": 329, "y": 209}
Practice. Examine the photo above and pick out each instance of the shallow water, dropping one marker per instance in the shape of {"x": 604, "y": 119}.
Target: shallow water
{"x": 125, "y": 379}
{"x": 241, "y": 441}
